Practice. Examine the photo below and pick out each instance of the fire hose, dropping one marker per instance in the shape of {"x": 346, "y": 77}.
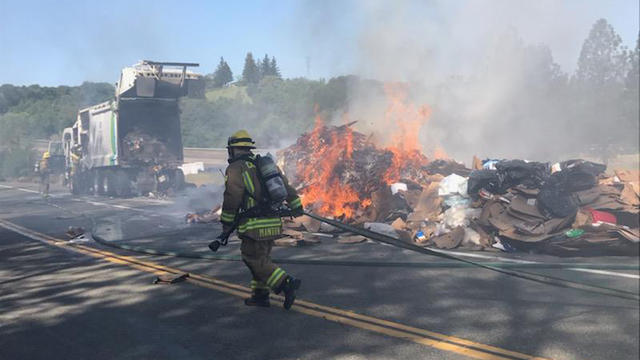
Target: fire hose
{"x": 499, "y": 268}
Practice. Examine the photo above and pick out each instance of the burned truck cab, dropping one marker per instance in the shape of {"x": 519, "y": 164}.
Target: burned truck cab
{"x": 133, "y": 144}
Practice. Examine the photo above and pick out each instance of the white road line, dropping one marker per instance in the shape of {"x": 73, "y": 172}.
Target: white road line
{"x": 21, "y": 189}
{"x": 593, "y": 271}
{"x": 480, "y": 256}
{"x": 605, "y": 272}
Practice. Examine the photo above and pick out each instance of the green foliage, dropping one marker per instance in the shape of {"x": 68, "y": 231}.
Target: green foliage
{"x": 598, "y": 87}
{"x": 223, "y": 74}
{"x": 274, "y": 69}
{"x": 277, "y": 111}
{"x": 250, "y": 72}
{"x": 233, "y": 92}
{"x": 50, "y": 109}
{"x": 269, "y": 67}
{"x": 602, "y": 59}
{"x": 16, "y": 158}
{"x": 16, "y": 162}
{"x": 32, "y": 112}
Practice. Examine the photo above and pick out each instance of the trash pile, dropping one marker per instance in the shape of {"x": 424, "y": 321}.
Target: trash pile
{"x": 567, "y": 209}
{"x": 143, "y": 148}
{"x": 342, "y": 173}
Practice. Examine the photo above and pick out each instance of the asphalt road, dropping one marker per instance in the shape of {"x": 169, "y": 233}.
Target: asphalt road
{"x": 84, "y": 300}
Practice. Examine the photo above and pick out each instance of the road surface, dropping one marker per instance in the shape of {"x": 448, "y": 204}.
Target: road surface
{"x": 62, "y": 300}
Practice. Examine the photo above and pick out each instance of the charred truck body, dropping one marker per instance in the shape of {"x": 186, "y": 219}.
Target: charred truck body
{"x": 132, "y": 144}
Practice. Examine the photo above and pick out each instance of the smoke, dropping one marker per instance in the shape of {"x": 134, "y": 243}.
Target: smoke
{"x": 486, "y": 69}
{"x": 194, "y": 200}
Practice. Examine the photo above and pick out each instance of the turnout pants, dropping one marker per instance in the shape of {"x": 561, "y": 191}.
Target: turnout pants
{"x": 257, "y": 256}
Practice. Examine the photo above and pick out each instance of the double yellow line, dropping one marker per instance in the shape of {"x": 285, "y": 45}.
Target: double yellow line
{"x": 421, "y": 336}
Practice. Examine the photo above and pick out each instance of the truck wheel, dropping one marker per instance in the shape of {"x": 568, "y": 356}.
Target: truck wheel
{"x": 122, "y": 184}
{"x": 112, "y": 182}
{"x": 74, "y": 185}
{"x": 178, "y": 180}
{"x": 98, "y": 182}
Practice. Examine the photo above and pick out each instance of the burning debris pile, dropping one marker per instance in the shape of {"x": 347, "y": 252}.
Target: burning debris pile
{"x": 341, "y": 173}
{"x": 143, "y": 148}
{"x": 568, "y": 208}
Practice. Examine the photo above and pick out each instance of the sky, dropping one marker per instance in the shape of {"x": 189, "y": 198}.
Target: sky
{"x": 67, "y": 42}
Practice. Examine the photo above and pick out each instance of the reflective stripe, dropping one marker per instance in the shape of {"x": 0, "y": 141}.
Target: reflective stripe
{"x": 227, "y": 216}
{"x": 248, "y": 183}
{"x": 257, "y": 224}
{"x": 271, "y": 231}
{"x": 295, "y": 203}
{"x": 275, "y": 277}
{"x": 257, "y": 285}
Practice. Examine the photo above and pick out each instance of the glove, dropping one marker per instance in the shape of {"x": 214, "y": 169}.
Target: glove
{"x": 224, "y": 238}
{"x": 297, "y": 212}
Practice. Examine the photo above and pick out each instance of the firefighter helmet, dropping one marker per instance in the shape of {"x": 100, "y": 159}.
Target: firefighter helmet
{"x": 46, "y": 155}
{"x": 241, "y": 138}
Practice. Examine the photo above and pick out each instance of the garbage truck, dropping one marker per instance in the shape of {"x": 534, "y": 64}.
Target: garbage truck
{"x": 132, "y": 144}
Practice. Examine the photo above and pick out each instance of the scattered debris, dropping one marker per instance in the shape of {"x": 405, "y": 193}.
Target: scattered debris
{"x": 170, "y": 278}
{"x": 352, "y": 239}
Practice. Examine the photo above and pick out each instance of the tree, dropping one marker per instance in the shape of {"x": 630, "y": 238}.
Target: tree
{"x": 633, "y": 76}
{"x": 631, "y": 106}
{"x": 599, "y": 90}
{"x": 275, "y": 71}
{"x": 265, "y": 67}
{"x": 602, "y": 59}
{"x": 250, "y": 73}
{"x": 223, "y": 74}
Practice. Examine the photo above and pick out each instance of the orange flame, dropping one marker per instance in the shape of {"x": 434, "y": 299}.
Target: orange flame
{"x": 332, "y": 150}
{"x": 324, "y": 191}
{"x": 406, "y": 120}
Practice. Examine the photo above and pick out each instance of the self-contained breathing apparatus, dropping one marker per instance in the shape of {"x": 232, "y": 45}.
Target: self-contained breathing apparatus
{"x": 272, "y": 203}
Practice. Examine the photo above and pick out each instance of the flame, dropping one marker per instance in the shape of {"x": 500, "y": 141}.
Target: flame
{"x": 406, "y": 120}
{"x": 324, "y": 191}
{"x": 332, "y": 152}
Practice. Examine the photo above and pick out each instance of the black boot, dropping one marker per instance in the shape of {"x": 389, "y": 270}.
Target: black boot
{"x": 259, "y": 297}
{"x": 289, "y": 286}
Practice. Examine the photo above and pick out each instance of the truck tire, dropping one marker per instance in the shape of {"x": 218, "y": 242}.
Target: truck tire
{"x": 178, "y": 180}
{"x": 122, "y": 183}
{"x": 98, "y": 182}
{"x": 111, "y": 182}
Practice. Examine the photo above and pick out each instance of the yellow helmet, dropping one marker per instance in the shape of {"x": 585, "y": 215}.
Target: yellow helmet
{"x": 241, "y": 138}
{"x": 46, "y": 155}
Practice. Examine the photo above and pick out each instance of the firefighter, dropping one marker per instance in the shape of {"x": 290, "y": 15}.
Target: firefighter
{"x": 244, "y": 192}
{"x": 44, "y": 170}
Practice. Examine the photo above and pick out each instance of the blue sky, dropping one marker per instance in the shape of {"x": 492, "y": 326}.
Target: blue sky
{"x": 68, "y": 42}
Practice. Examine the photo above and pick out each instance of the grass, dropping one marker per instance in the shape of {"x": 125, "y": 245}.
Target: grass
{"x": 205, "y": 178}
{"x": 230, "y": 92}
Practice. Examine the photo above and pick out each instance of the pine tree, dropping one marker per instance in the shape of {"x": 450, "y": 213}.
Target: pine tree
{"x": 603, "y": 58}
{"x": 223, "y": 74}
{"x": 250, "y": 73}
{"x": 265, "y": 67}
{"x": 633, "y": 76}
{"x": 274, "y": 70}
{"x": 599, "y": 87}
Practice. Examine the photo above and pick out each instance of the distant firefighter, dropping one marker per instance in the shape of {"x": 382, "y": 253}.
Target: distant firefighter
{"x": 44, "y": 169}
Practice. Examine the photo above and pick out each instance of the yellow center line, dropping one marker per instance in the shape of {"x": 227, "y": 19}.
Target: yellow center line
{"x": 421, "y": 336}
